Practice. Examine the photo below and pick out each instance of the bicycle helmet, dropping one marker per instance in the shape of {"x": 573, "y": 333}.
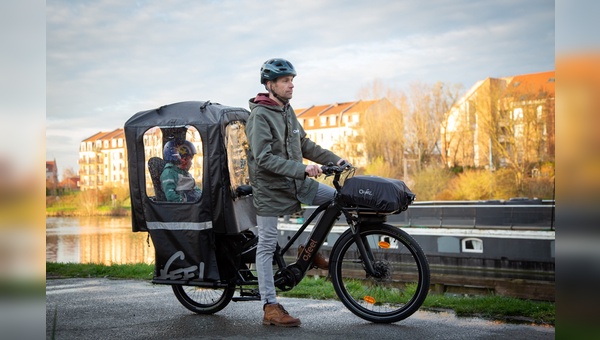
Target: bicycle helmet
{"x": 275, "y": 68}
{"x": 174, "y": 152}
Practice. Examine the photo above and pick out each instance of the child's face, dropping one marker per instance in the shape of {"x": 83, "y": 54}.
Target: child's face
{"x": 186, "y": 162}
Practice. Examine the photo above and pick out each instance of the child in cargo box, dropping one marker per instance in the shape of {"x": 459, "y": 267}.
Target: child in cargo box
{"x": 176, "y": 181}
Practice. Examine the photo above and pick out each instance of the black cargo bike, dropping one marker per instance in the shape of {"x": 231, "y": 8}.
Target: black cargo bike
{"x": 205, "y": 249}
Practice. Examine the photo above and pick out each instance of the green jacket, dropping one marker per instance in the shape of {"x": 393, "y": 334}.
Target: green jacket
{"x": 179, "y": 185}
{"x": 278, "y": 145}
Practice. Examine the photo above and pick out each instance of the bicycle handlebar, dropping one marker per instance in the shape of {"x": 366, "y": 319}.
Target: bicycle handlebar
{"x": 331, "y": 169}
{"x": 336, "y": 170}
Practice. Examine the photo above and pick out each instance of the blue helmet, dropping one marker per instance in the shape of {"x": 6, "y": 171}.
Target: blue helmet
{"x": 275, "y": 68}
{"x": 174, "y": 152}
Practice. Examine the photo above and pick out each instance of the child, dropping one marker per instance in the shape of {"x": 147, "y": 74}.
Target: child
{"x": 176, "y": 181}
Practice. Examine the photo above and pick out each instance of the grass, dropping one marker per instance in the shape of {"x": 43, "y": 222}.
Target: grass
{"x": 88, "y": 270}
{"x": 490, "y": 306}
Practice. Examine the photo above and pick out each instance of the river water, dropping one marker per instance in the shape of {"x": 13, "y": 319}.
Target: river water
{"x": 96, "y": 239}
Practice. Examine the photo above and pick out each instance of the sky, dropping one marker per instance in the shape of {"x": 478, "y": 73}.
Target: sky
{"x": 108, "y": 59}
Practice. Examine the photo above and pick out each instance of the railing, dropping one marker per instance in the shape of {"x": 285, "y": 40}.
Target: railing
{"x": 517, "y": 214}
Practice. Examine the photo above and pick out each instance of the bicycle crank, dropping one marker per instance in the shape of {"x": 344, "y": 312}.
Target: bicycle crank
{"x": 288, "y": 278}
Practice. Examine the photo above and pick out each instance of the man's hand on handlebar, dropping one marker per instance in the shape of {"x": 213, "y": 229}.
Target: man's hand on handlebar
{"x": 313, "y": 170}
{"x": 330, "y": 169}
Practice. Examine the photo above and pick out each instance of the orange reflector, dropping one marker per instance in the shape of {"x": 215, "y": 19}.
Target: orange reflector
{"x": 369, "y": 299}
{"x": 384, "y": 245}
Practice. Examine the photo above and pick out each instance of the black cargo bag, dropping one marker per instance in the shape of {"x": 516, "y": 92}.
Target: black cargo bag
{"x": 384, "y": 195}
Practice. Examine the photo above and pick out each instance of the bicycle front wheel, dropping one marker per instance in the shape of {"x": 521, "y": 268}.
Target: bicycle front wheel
{"x": 400, "y": 284}
{"x": 203, "y": 300}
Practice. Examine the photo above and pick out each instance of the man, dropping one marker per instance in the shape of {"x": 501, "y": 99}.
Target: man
{"x": 280, "y": 182}
{"x": 176, "y": 181}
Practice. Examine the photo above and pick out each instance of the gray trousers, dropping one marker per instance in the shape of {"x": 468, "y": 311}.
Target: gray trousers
{"x": 267, "y": 242}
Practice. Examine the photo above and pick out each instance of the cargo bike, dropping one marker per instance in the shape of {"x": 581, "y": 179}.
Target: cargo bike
{"x": 205, "y": 248}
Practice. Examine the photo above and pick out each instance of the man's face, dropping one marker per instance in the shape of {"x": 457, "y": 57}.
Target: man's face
{"x": 283, "y": 87}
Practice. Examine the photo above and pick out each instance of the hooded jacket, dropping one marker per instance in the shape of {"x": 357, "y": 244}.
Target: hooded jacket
{"x": 179, "y": 185}
{"x": 278, "y": 145}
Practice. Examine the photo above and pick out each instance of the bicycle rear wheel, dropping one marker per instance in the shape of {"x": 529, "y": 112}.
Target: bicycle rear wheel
{"x": 203, "y": 300}
{"x": 402, "y": 282}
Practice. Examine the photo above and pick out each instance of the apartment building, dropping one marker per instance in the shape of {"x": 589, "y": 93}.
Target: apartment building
{"x": 336, "y": 126}
{"x": 51, "y": 171}
{"x": 502, "y": 121}
{"x": 103, "y": 160}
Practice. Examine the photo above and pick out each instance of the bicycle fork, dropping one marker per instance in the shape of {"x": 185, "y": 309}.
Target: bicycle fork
{"x": 363, "y": 246}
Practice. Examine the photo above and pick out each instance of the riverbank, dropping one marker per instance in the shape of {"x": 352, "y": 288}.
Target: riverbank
{"x": 87, "y": 204}
{"x": 76, "y": 213}
{"x": 492, "y": 307}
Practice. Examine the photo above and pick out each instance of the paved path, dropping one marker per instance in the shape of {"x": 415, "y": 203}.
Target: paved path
{"x": 129, "y": 309}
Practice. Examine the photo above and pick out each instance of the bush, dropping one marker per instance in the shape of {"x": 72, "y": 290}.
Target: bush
{"x": 539, "y": 187}
{"x": 501, "y": 184}
{"x": 472, "y": 185}
{"x": 108, "y": 201}
{"x": 379, "y": 167}
{"x": 505, "y": 184}
{"x": 429, "y": 183}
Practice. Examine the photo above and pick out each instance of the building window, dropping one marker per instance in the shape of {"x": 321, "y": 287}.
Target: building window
{"x": 518, "y": 114}
{"x": 472, "y": 245}
{"x": 323, "y": 121}
{"x": 311, "y": 122}
{"x": 333, "y": 120}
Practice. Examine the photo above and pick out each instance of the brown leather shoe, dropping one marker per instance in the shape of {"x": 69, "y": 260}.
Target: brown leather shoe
{"x": 276, "y": 315}
{"x": 320, "y": 261}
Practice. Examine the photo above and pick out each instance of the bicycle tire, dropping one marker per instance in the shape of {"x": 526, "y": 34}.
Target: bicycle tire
{"x": 202, "y": 300}
{"x": 403, "y": 285}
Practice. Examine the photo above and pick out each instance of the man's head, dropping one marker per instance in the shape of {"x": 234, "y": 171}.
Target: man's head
{"x": 179, "y": 153}
{"x": 277, "y": 75}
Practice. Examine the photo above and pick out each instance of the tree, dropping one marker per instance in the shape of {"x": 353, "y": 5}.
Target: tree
{"x": 382, "y": 129}
{"x": 350, "y": 147}
{"x": 513, "y": 124}
{"x": 68, "y": 172}
{"x": 67, "y": 184}
{"x": 412, "y": 132}
{"x": 428, "y": 105}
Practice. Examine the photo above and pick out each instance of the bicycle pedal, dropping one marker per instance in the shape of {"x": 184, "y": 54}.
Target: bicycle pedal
{"x": 253, "y": 292}
{"x": 245, "y": 298}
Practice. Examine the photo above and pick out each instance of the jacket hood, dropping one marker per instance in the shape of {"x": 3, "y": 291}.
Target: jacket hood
{"x": 263, "y": 99}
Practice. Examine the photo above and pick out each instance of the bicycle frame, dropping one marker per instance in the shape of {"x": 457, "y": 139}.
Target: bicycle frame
{"x": 330, "y": 213}
{"x": 289, "y": 276}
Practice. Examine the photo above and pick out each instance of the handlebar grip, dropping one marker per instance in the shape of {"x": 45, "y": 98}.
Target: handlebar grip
{"x": 331, "y": 169}
{"x": 328, "y": 169}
